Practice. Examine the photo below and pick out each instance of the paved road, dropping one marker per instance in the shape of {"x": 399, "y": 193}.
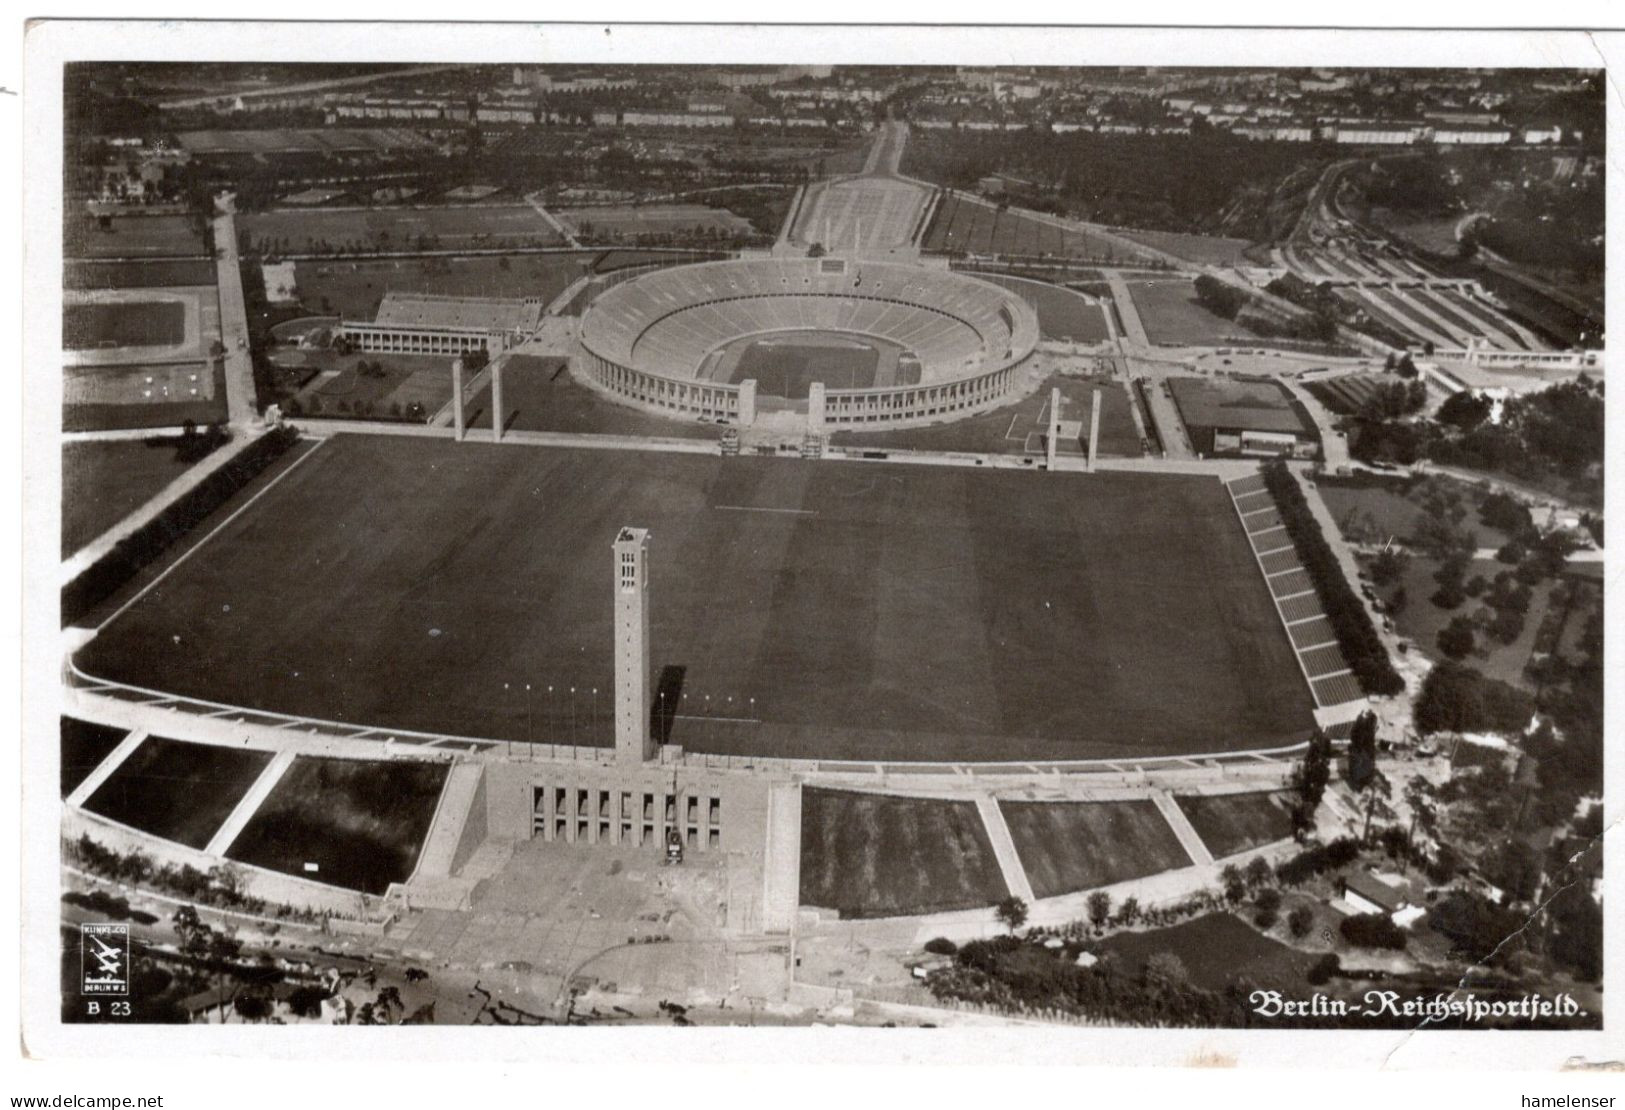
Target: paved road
{"x": 241, "y": 402}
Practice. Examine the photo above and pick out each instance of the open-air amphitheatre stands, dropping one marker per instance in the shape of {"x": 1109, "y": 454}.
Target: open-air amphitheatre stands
{"x": 646, "y": 339}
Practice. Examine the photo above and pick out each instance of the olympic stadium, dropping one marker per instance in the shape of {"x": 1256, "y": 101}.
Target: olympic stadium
{"x": 899, "y": 343}
{"x": 639, "y": 638}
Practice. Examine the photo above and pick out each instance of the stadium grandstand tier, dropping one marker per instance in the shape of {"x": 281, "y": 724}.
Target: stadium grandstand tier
{"x": 651, "y": 340}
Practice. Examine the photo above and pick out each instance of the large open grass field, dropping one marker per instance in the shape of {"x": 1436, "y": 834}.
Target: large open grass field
{"x": 1208, "y": 250}
{"x": 1231, "y": 823}
{"x": 1070, "y": 846}
{"x": 962, "y": 224}
{"x": 84, "y": 746}
{"x": 99, "y": 398}
{"x": 848, "y": 609}
{"x": 361, "y": 822}
{"x": 434, "y": 228}
{"x": 353, "y": 288}
{"x": 877, "y": 855}
{"x": 539, "y": 395}
{"x": 104, "y": 481}
{"x": 123, "y": 324}
{"x": 1019, "y": 428}
{"x": 179, "y": 791}
{"x": 787, "y": 365}
{"x": 1063, "y": 314}
{"x": 1172, "y": 315}
{"x": 132, "y": 236}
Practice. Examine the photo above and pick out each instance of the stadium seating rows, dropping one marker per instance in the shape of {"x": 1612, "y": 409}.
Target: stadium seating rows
{"x": 668, "y": 321}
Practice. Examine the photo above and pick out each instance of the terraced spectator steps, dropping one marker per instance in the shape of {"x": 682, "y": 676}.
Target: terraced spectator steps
{"x": 651, "y": 339}
{"x": 1331, "y": 680}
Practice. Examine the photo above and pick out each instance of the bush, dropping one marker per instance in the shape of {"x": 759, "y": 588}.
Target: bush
{"x": 1456, "y": 638}
{"x": 1349, "y": 618}
{"x": 1372, "y": 930}
{"x": 1299, "y": 921}
{"x": 1455, "y": 698}
{"x": 1323, "y": 969}
{"x": 1266, "y": 919}
{"x": 941, "y": 946}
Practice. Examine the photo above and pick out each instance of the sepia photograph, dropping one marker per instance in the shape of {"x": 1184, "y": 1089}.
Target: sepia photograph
{"x": 945, "y": 542}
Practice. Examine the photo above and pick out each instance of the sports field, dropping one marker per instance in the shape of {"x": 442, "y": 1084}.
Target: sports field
{"x": 1231, "y": 823}
{"x": 130, "y": 236}
{"x": 361, "y": 822}
{"x": 353, "y": 289}
{"x": 875, "y": 855}
{"x": 99, "y": 398}
{"x": 963, "y": 224}
{"x": 1019, "y": 429}
{"x": 179, "y": 791}
{"x": 1070, "y": 846}
{"x": 123, "y": 324}
{"x": 104, "y": 481}
{"x": 451, "y": 227}
{"x": 847, "y": 609}
{"x": 1063, "y": 314}
{"x": 1171, "y": 313}
{"x": 787, "y": 365}
{"x": 612, "y": 222}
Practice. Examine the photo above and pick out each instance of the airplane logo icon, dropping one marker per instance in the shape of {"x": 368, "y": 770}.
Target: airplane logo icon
{"x": 104, "y": 951}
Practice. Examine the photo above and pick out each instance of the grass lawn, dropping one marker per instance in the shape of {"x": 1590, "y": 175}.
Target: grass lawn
{"x": 179, "y": 791}
{"x": 1172, "y": 315}
{"x": 870, "y": 611}
{"x": 362, "y": 822}
{"x": 353, "y": 289}
{"x": 451, "y": 227}
{"x": 123, "y": 324}
{"x": 115, "y": 397}
{"x": 1071, "y": 846}
{"x": 961, "y": 224}
{"x": 342, "y": 390}
{"x": 540, "y": 396}
{"x": 110, "y": 274}
{"x": 873, "y": 855}
{"x": 786, "y": 366}
{"x": 1216, "y": 950}
{"x": 129, "y": 237}
{"x": 1372, "y": 509}
{"x": 1208, "y": 250}
{"x": 105, "y": 481}
{"x": 1063, "y": 314}
{"x": 1421, "y": 621}
{"x": 1014, "y": 429}
{"x": 1231, "y": 823}
{"x": 84, "y": 746}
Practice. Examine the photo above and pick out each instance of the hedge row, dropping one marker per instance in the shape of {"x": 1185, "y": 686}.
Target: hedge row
{"x": 1350, "y": 621}
{"x": 97, "y": 582}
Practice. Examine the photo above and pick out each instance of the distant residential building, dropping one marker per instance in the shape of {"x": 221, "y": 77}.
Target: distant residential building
{"x": 1542, "y": 134}
{"x": 1471, "y": 136}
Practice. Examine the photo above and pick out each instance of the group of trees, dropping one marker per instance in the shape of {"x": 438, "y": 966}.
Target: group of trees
{"x": 1350, "y": 620}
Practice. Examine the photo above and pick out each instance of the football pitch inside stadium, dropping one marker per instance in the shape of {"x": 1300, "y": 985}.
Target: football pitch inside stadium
{"x": 787, "y": 367}
{"x": 830, "y": 610}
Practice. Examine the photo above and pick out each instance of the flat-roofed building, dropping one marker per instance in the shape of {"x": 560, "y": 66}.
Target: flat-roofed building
{"x": 435, "y": 324}
{"x": 1244, "y": 417}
